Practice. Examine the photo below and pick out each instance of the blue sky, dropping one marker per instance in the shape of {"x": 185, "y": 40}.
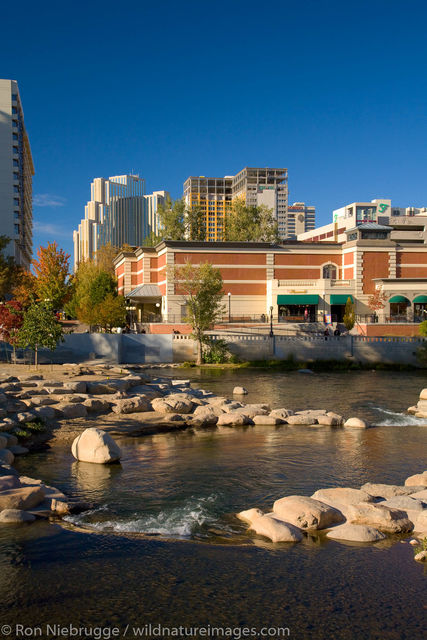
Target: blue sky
{"x": 334, "y": 91}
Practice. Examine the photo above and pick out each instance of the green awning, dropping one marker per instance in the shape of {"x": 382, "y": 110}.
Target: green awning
{"x": 339, "y": 298}
{"x": 399, "y": 299}
{"x": 421, "y": 299}
{"x": 298, "y": 299}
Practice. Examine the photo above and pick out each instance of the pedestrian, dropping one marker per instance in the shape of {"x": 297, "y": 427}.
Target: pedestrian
{"x": 306, "y": 315}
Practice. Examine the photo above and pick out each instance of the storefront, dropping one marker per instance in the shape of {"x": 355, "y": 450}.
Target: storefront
{"x": 297, "y": 308}
{"x": 338, "y": 302}
{"x": 420, "y": 308}
{"x": 399, "y": 308}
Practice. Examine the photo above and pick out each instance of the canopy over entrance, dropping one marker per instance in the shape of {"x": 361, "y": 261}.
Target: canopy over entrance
{"x": 400, "y": 299}
{"x": 298, "y": 299}
{"x": 420, "y": 300}
{"x": 340, "y": 298}
{"x": 145, "y": 291}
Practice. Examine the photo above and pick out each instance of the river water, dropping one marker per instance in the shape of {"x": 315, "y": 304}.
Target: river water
{"x": 165, "y": 547}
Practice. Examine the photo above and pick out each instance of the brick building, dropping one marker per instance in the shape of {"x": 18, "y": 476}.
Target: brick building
{"x": 297, "y": 280}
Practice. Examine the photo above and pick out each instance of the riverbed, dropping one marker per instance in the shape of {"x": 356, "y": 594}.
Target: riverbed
{"x": 164, "y": 544}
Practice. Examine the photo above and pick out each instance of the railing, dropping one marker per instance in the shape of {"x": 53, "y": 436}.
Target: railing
{"x": 403, "y": 319}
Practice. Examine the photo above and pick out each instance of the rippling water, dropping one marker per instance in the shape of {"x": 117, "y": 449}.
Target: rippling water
{"x": 201, "y": 565}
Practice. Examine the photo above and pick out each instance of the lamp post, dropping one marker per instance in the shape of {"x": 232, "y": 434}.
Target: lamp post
{"x": 229, "y": 307}
{"x": 271, "y": 322}
{"x": 157, "y": 309}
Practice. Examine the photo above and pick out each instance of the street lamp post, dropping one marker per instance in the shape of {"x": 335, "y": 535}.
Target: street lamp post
{"x": 271, "y": 322}
{"x": 229, "y": 307}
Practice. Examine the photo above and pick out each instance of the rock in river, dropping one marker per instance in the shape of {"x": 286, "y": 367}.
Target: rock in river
{"x": 95, "y": 445}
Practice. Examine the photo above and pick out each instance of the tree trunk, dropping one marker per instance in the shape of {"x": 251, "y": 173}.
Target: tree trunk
{"x": 199, "y": 351}
{"x": 35, "y": 357}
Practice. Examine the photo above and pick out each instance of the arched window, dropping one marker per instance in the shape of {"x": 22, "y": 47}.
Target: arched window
{"x": 329, "y": 272}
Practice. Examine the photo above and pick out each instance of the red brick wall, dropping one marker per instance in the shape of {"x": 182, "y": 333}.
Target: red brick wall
{"x": 375, "y": 265}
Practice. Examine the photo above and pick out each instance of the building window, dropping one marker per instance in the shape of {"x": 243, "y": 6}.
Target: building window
{"x": 329, "y": 272}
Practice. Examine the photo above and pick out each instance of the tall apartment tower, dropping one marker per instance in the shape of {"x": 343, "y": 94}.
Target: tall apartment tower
{"x": 255, "y": 185}
{"x": 118, "y": 213}
{"x": 301, "y": 218}
{"x": 16, "y": 176}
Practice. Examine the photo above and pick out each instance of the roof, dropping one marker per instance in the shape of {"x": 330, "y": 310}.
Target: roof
{"x": 371, "y": 226}
{"x": 145, "y": 291}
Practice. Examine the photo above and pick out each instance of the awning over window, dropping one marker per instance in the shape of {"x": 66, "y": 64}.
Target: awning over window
{"x": 298, "y": 299}
{"x": 399, "y": 299}
{"x": 145, "y": 291}
{"x": 340, "y": 298}
{"x": 421, "y": 299}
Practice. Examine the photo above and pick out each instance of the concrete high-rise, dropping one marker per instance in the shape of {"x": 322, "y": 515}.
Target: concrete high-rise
{"x": 118, "y": 213}
{"x": 256, "y": 186}
{"x": 16, "y": 176}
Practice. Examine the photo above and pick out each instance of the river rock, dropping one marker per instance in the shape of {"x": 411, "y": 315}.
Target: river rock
{"x": 301, "y": 419}
{"x": 421, "y": 556}
{"x": 356, "y": 423}
{"x": 306, "y": 513}
{"x": 42, "y": 401}
{"x": 95, "y": 445}
{"x": 208, "y": 411}
{"x": 331, "y": 419}
{"x": 252, "y": 410}
{"x": 387, "y": 491}
{"x": 423, "y": 394}
{"x": 6, "y": 456}
{"x": 25, "y": 417}
{"x": 420, "y": 495}
{"x": 383, "y": 518}
{"x": 45, "y": 413}
{"x": 240, "y": 391}
{"x": 74, "y": 410}
{"x": 18, "y": 450}
{"x": 15, "y": 516}
{"x": 11, "y": 439}
{"x": 101, "y": 388}
{"x": 96, "y": 405}
{"x": 172, "y": 404}
{"x": 281, "y": 413}
{"x": 420, "y": 522}
{"x": 250, "y": 515}
{"x": 338, "y": 496}
{"x": 233, "y": 419}
{"x": 405, "y": 503}
{"x": 9, "y": 482}
{"x": 418, "y": 480}
{"x": 230, "y": 406}
{"x": 355, "y": 533}
{"x": 276, "y": 529}
{"x": 3, "y": 442}
{"x": 77, "y": 386}
{"x": 267, "y": 420}
{"x": 177, "y": 383}
{"x": 21, "y": 498}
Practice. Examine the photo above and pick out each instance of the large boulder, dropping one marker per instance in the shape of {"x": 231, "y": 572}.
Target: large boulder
{"x": 338, "y": 496}
{"x": 420, "y": 522}
{"x": 233, "y": 420}
{"x": 74, "y": 410}
{"x": 132, "y": 405}
{"x": 45, "y": 413}
{"x": 282, "y": 413}
{"x": 330, "y": 421}
{"x": 383, "y": 518}
{"x": 240, "y": 391}
{"x": 251, "y": 411}
{"x": 231, "y": 407}
{"x": 356, "y": 423}
{"x": 9, "y": 482}
{"x": 304, "y": 419}
{"x": 21, "y": 498}
{"x": 249, "y": 515}
{"x": 306, "y": 513}
{"x": 355, "y": 533}
{"x": 208, "y": 411}
{"x": 387, "y": 491}
{"x": 78, "y": 386}
{"x": 95, "y": 445}
{"x": 276, "y": 529}
{"x": 15, "y": 516}
{"x": 3, "y": 442}
{"x": 6, "y": 456}
{"x": 418, "y": 480}
{"x": 267, "y": 420}
{"x": 172, "y": 404}
{"x": 420, "y": 495}
{"x": 97, "y": 405}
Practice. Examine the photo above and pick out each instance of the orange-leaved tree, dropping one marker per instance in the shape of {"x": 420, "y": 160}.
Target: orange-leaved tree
{"x": 52, "y": 275}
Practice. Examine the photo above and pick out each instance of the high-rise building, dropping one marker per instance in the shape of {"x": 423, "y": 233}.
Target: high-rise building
{"x": 301, "y": 218}
{"x": 16, "y": 176}
{"x": 256, "y": 186}
{"x": 118, "y": 213}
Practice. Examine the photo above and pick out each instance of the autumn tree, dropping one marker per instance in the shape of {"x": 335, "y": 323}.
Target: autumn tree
{"x": 111, "y": 312}
{"x": 40, "y": 328}
{"x": 104, "y": 257}
{"x": 11, "y": 318}
{"x": 25, "y": 289}
{"x": 245, "y": 223}
{"x": 52, "y": 272}
{"x": 202, "y": 287}
{"x": 9, "y": 270}
{"x": 377, "y": 300}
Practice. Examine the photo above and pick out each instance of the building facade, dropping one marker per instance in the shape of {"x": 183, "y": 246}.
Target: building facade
{"x": 119, "y": 212}
{"x": 379, "y": 210}
{"x": 296, "y": 281}
{"x": 256, "y": 186}
{"x": 301, "y": 218}
{"x": 16, "y": 176}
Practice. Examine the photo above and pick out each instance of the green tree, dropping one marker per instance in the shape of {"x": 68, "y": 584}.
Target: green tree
{"x": 52, "y": 272}
{"x": 111, "y": 312}
{"x": 171, "y": 217}
{"x": 202, "y": 287}
{"x": 9, "y": 270}
{"x": 422, "y": 328}
{"x": 245, "y": 223}
{"x": 104, "y": 257}
{"x": 195, "y": 224}
{"x": 349, "y": 318}
{"x": 40, "y": 328}
{"x": 152, "y": 240}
